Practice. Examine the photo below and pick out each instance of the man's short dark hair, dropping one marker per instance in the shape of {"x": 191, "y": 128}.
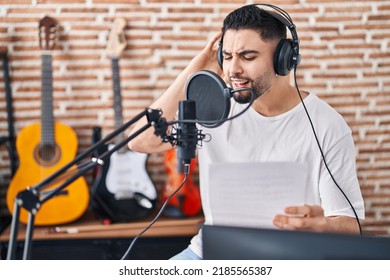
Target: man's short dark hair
{"x": 255, "y": 18}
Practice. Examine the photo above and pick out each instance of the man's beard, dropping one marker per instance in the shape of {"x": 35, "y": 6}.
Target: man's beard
{"x": 259, "y": 86}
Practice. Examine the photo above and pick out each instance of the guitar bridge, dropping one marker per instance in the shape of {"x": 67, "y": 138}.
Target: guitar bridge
{"x": 63, "y": 192}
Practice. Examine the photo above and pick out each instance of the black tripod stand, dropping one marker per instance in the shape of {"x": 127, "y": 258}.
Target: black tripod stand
{"x": 32, "y": 198}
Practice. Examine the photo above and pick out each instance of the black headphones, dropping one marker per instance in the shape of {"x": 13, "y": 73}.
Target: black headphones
{"x": 286, "y": 55}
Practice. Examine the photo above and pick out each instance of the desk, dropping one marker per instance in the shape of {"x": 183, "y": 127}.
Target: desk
{"x": 88, "y": 238}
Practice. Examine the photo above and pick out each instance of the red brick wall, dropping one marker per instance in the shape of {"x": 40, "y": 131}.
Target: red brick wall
{"x": 345, "y": 60}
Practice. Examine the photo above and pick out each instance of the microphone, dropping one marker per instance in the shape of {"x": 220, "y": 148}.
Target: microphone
{"x": 212, "y": 97}
{"x": 208, "y": 103}
{"x": 187, "y": 133}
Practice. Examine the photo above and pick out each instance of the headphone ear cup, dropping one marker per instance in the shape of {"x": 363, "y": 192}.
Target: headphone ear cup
{"x": 219, "y": 55}
{"x": 284, "y": 57}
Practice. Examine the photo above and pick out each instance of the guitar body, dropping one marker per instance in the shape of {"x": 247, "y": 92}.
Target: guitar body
{"x": 187, "y": 201}
{"x": 123, "y": 190}
{"x": 36, "y": 163}
{"x": 127, "y": 175}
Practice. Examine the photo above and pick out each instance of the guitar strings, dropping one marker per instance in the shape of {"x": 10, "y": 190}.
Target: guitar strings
{"x": 64, "y": 176}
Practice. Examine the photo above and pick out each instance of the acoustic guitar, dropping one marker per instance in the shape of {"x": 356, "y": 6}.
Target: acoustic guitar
{"x": 46, "y": 147}
{"x": 123, "y": 189}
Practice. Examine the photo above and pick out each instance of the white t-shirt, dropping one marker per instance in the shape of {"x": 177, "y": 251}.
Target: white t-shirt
{"x": 288, "y": 137}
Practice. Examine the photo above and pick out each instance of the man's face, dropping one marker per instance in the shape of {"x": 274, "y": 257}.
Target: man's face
{"x": 248, "y": 62}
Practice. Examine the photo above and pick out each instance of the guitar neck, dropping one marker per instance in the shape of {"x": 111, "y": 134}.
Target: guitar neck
{"x": 47, "y": 118}
{"x": 118, "y": 114}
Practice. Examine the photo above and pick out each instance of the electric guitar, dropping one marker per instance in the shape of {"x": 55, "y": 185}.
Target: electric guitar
{"x": 46, "y": 147}
{"x": 187, "y": 201}
{"x": 123, "y": 189}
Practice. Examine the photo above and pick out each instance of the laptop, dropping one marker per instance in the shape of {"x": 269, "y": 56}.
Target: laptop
{"x": 241, "y": 243}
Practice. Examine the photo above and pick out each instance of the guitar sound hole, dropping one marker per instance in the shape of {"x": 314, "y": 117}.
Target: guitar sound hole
{"x": 47, "y": 154}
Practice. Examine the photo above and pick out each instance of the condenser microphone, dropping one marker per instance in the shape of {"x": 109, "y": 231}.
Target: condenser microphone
{"x": 212, "y": 97}
{"x": 187, "y": 133}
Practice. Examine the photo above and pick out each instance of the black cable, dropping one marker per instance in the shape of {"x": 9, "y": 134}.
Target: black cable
{"x": 322, "y": 153}
{"x": 187, "y": 166}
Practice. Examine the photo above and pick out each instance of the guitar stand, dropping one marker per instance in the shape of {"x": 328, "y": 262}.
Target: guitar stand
{"x": 32, "y": 199}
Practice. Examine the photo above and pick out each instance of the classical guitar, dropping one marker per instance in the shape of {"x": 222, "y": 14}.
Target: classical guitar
{"x": 187, "y": 201}
{"x": 46, "y": 147}
{"x": 123, "y": 189}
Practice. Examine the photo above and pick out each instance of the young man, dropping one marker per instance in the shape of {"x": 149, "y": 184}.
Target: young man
{"x": 275, "y": 128}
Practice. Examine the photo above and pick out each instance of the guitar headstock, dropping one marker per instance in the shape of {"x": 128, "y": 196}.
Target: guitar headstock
{"x": 48, "y": 33}
{"x": 116, "y": 41}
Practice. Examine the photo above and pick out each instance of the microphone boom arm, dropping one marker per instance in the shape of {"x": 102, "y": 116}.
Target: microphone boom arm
{"x": 30, "y": 200}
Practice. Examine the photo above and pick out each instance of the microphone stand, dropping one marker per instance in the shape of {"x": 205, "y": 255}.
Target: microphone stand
{"x": 32, "y": 200}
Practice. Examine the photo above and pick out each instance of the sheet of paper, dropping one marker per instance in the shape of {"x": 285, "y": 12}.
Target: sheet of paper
{"x": 251, "y": 194}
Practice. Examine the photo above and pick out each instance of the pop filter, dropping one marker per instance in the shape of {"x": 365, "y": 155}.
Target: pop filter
{"x": 211, "y": 95}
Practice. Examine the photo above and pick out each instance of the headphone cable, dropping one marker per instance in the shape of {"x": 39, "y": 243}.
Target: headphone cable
{"x": 322, "y": 153}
